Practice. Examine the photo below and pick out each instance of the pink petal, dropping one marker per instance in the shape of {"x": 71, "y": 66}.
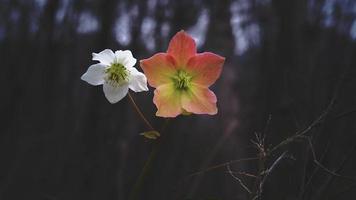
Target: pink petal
{"x": 205, "y": 68}
{"x": 158, "y": 69}
{"x": 200, "y": 100}
{"x": 182, "y": 47}
{"x": 167, "y": 101}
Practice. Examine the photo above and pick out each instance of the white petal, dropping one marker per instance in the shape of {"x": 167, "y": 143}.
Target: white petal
{"x": 106, "y": 57}
{"x": 95, "y": 74}
{"x": 125, "y": 57}
{"x": 138, "y": 81}
{"x": 115, "y": 94}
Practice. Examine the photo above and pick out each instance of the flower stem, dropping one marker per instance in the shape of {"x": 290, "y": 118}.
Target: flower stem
{"x": 148, "y": 164}
{"x": 138, "y": 110}
{"x": 134, "y": 195}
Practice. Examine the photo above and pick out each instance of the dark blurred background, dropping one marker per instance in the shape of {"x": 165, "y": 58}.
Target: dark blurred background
{"x": 286, "y": 60}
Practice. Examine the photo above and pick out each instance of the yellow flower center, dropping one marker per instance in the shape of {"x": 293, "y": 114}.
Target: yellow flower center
{"x": 182, "y": 80}
{"x": 117, "y": 74}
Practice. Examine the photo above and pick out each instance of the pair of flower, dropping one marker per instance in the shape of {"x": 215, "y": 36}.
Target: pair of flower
{"x": 181, "y": 77}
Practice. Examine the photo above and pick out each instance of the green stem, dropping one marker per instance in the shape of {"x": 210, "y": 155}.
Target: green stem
{"x": 134, "y": 195}
{"x": 139, "y": 112}
{"x": 147, "y": 167}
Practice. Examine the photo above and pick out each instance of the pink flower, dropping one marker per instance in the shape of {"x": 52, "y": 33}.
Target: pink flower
{"x": 182, "y": 78}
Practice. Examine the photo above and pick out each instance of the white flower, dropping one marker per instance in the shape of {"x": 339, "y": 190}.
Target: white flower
{"x": 116, "y": 72}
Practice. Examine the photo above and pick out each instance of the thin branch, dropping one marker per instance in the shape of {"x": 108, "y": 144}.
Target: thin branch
{"x": 314, "y": 171}
{"x": 247, "y": 174}
{"x": 262, "y": 156}
{"x": 275, "y": 163}
{"x": 344, "y": 114}
{"x": 221, "y": 165}
{"x": 298, "y": 134}
{"x": 268, "y": 172}
{"x": 238, "y": 179}
{"x": 316, "y": 161}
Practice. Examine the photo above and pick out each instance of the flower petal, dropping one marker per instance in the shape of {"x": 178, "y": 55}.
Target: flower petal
{"x": 182, "y": 47}
{"x": 95, "y": 74}
{"x": 167, "y": 101}
{"x": 125, "y": 58}
{"x": 115, "y": 94}
{"x": 205, "y": 68}
{"x": 138, "y": 81}
{"x": 106, "y": 57}
{"x": 200, "y": 100}
{"x": 158, "y": 69}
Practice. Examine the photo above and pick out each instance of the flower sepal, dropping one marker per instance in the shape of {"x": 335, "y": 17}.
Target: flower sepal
{"x": 152, "y": 135}
{"x": 186, "y": 113}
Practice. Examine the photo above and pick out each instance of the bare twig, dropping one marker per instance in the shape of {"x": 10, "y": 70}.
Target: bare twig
{"x": 262, "y": 156}
{"x": 273, "y": 166}
{"x": 259, "y": 144}
{"x": 231, "y": 126}
{"x": 344, "y": 114}
{"x": 238, "y": 179}
{"x": 314, "y": 172}
{"x": 302, "y": 132}
{"x": 221, "y": 165}
{"x": 268, "y": 172}
{"x": 247, "y": 174}
{"x": 316, "y": 161}
{"x": 316, "y": 122}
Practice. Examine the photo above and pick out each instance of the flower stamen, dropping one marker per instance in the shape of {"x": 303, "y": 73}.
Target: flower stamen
{"x": 182, "y": 80}
{"x": 117, "y": 74}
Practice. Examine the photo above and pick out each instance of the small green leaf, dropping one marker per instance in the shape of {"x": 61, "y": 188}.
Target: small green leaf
{"x": 152, "y": 135}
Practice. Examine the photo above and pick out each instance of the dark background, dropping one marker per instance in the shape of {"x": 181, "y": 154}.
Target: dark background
{"x": 287, "y": 60}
